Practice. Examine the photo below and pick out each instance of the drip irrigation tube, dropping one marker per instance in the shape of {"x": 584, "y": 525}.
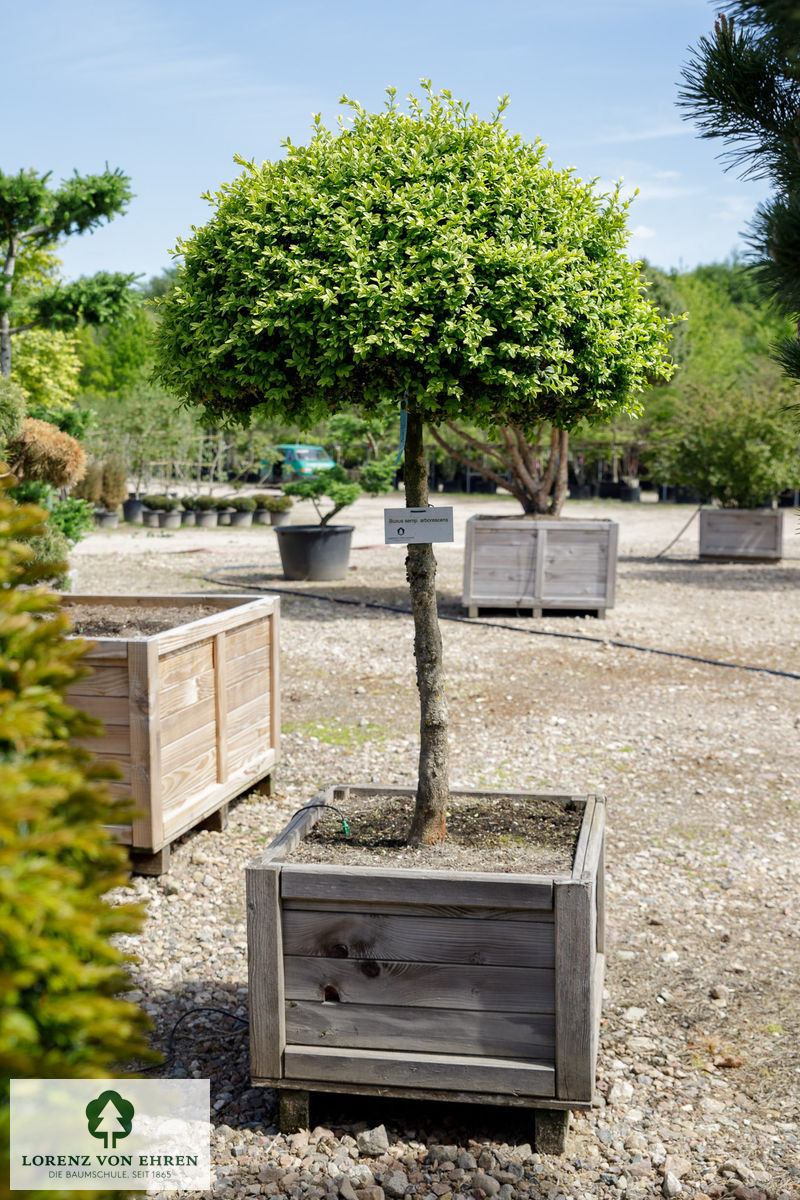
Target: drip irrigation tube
{"x": 212, "y": 577}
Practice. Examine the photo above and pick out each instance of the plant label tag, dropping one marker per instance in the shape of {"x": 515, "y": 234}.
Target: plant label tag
{"x": 403, "y": 526}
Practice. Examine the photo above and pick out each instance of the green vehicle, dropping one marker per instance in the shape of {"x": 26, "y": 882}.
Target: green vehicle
{"x": 298, "y": 461}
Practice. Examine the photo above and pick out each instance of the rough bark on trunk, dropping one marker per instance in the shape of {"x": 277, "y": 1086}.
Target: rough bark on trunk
{"x": 429, "y": 824}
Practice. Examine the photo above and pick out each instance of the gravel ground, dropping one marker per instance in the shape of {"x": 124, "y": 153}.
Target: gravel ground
{"x": 699, "y": 1074}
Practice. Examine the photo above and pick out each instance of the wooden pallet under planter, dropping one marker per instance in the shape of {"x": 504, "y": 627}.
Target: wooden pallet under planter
{"x": 754, "y": 534}
{"x": 539, "y": 563}
{"x": 192, "y": 715}
{"x": 461, "y": 986}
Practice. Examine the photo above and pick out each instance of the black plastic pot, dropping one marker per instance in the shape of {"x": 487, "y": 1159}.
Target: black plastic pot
{"x": 314, "y": 551}
{"x": 132, "y": 510}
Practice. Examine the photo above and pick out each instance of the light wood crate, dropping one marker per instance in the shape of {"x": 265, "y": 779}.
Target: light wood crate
{"x": 460, "y": 986}
{"x": 741, "y": 533}
{"x": 192, "y": 715}
{"x": 539, "y": 562}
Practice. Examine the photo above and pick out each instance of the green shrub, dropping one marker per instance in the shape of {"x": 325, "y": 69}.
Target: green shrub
{"x": 334, "y": 484}
{"x": 741, "y": 449}
{"x": 60, "y": 1015}
{"x": 243, "y": 503}
{"x": 273, "y": 504}
{"x": 205, "y": 503}
{"x": 158, "y": 503}
{"x": 50, "y": 549}
{"x": 223, "y": 503}
{"x": 189, "y": 503}
{"x": 12, "y": 411}
{"x": 75, "y": 518}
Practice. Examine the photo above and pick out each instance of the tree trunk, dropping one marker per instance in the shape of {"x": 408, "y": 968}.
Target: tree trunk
{"x": 428, "y": 825}
{"x": 5, "y": 320}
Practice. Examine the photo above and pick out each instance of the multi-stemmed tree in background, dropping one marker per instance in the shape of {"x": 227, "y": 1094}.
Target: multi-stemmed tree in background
{"x": 428, "y": 258}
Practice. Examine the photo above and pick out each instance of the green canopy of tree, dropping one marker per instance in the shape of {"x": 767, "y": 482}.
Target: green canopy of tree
{"x": 742, "y": 85}
{"x": 33, "y": 217}
{"x": 423, "y": 254}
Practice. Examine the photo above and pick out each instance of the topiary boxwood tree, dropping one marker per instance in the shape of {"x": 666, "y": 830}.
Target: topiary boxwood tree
{"x": 423, "y": 254}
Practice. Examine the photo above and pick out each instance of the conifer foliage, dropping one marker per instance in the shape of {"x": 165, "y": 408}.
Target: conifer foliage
{"x": 60, "y": 1015}
{"x": 742, "y": 85}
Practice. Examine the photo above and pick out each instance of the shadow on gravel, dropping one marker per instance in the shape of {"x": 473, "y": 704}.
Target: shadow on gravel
{"x": 354, "y": 600}
{"x": 208, "y": 1044}
{"x": 735, "y": 577}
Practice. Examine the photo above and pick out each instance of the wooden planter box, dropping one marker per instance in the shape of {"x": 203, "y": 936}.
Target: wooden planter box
{"x": 539, "y": 562}
{"x": 741, "y": 533}
{"x": 439, "y": 985}
{"x": 192, "y": 715}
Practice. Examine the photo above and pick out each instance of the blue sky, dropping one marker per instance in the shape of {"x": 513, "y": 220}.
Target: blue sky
{"x": 170, "y": 90}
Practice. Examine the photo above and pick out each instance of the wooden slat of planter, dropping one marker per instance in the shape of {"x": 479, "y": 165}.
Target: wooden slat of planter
{"x": 184, "y": 750}
{"x": 517, "y": 915}
{"x": 221, "y": 622}
{"x": 312, "y": 881}
{"x": 427, "y": 985}
{"x": 265, "y": 971}
{"x": 196, "y": 687}
{"x": 248, "y": 639}
{"x": 415, "y": 939}
{"x": 145, "y": 743}
{"x": 593, "y": 819}
{"x": 498, "y": 1035}
{"x": 114, "y": 743}
{"x": 221, "y": 705}
{"x": 111, "y": 710}
{"x": 574, "y": 984}
{"x": 198, "y": 771}
{"x": 186, "y": 721}
{"x": 587, "y": 855}
{"x": 187, "y": 663}
{"x": 419, "y": 1070}
{"x": 105, "y": 680}
{"x": 574, "y": 564}
{"x": 449, "y": 1095}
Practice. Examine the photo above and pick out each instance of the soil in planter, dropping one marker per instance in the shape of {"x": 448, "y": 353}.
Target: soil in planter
{"x": 502, "y": 834}
{"x": 99, "y": 621}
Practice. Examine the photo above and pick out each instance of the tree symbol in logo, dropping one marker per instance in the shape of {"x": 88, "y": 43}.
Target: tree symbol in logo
{"x": 109, "y": 1116}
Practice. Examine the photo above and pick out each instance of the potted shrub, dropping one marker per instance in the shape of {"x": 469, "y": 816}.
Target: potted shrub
{"x": 558, "y": 330}
{"x": 206, "y": 512}
{"x": 113, "y": 490}
{"x": 319, "y": 551}
{"x": 154, "y": 506}
{"x": 243, "y": 509}
{"x": 739, "y": 450}
{"x": 271, "y": 510}
{"x": 225, "y": 509}
{"x": 188, "y": 510}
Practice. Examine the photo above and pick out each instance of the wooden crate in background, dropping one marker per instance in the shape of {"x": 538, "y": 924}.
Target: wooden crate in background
{"x": 539, "y": 563}
{"x": 192, "y": 715}
{"x": 741, "y": 533}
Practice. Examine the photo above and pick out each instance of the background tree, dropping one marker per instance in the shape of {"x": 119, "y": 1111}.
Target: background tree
{"x": 742, "y": 85}
{"x": 425, "y": 255}
{"x": 33, "y": 216}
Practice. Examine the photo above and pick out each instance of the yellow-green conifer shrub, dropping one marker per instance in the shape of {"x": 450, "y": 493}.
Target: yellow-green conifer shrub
{"x": 60, "y": 976}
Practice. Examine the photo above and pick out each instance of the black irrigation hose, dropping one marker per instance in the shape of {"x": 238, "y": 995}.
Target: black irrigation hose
{"x": 572, "y": 637}
{"x": 171, "y": 1041}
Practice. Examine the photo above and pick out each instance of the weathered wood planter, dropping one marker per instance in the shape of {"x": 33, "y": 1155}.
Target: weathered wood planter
{"x": 539, "y": 562}
{"x": 465, "y": 986}
{"x": 741, "y": 533}
{"x": 192, "y": 714}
